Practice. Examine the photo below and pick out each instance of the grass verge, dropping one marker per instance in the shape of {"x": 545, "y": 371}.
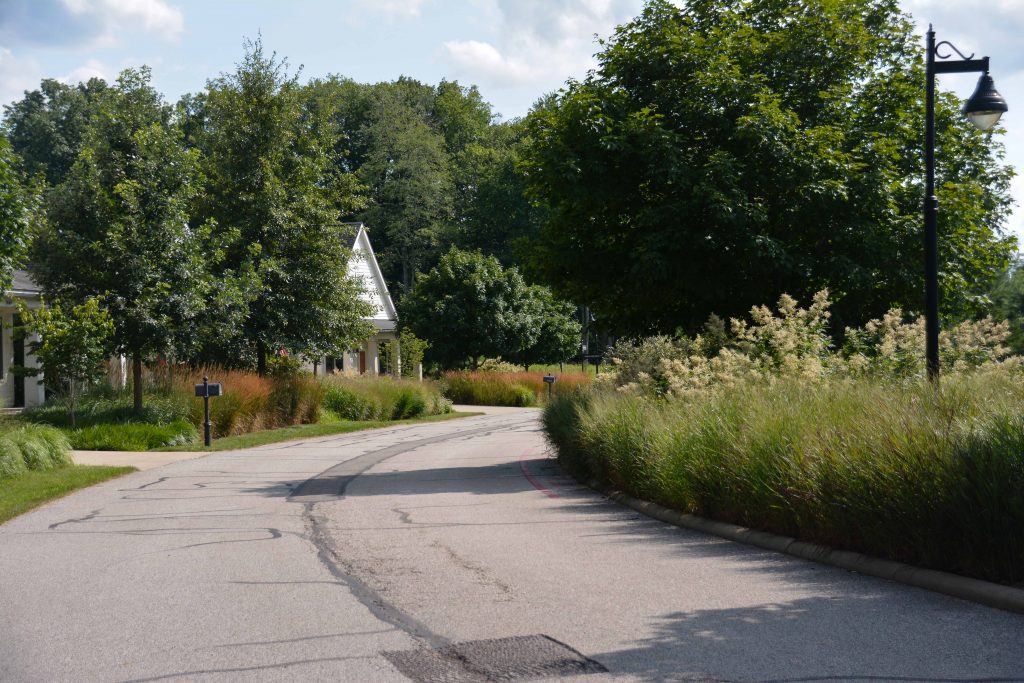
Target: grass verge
{"x": 307, "y": 431}
{"x": 33, "y": 488}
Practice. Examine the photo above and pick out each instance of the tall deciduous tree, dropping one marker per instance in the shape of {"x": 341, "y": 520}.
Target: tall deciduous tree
{"x": 17, "y": 204}
{"x": 277, "y": 199}
{"x": 408, "y": 172}
{"x": 117, "y": 225}
{"x": 729, "y": 151}
{"x": 468, "y": 306}
{"x": 46, "y": 127}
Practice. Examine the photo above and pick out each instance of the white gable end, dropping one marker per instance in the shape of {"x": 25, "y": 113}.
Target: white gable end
{"x": 363, "y": 265}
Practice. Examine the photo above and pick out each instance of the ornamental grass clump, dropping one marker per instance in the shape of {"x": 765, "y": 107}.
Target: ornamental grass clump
{"x": 501, "y": 388}
{"x": 32, "y": 447}
{"x": 381, "y": 398}
{"x": 852, "y": 448}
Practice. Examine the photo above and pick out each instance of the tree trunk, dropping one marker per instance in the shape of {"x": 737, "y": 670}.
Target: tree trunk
{"x": 137, "y": 381}
{"x": 261, "y": 359}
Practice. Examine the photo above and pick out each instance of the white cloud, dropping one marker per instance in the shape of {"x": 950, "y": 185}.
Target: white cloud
{"x": 86, "y": 22}
{"x": 487, "y": 63}
{"x": 93, "y": 68}
{"x": 539, "y": 42}
{"x": 17, "y": 74}
{"x": 395, "y": 9}
{"x": 152, "y": 16}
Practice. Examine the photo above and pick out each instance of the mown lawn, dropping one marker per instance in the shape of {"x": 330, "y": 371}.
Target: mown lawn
{"x": 33, "y": 488}
{"x": 307, "y": 431}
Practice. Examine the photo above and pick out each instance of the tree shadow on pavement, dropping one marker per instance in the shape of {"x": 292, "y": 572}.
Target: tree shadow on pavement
{"x": 821, "y": 639}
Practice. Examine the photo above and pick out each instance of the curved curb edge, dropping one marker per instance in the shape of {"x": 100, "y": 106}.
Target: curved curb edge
{"x": 966, "y": 588}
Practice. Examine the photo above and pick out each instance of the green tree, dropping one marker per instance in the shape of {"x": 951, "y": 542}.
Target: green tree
{"x": 492, "y": 211}
{"x": 17, "y": 204}
{"x": 558, "y": 338}
{"x": 118, "y": 226}
{"x": 47, "y": 126}
{"x": 408, "y": 172}
{"x": 733, "y": 150}
{"x": 469, "y": 307}
{"x": 277, "y": 196}
{"x": 1008, "y": 303}
{"x": 71, "y": 345}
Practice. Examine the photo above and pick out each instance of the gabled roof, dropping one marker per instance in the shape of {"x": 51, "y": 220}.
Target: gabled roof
{"x": 24, "y": 283}
{"x": 363, "y": 263}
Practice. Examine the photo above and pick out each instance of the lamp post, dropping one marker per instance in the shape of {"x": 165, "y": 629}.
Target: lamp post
{"x": 983, "y": 109}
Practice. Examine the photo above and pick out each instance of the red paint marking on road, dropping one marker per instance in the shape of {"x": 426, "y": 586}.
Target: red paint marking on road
{"x": 534, "y": 480}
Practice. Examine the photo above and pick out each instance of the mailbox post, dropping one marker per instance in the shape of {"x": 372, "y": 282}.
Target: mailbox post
{"x": 549, "y": 380}
{"x": 206, "y": 390}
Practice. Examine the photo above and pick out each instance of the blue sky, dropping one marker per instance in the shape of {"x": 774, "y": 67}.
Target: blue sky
{"x": 514, "y": 50}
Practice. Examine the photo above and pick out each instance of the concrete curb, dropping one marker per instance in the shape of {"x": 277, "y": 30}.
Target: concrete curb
{"x": 974, "y": 590}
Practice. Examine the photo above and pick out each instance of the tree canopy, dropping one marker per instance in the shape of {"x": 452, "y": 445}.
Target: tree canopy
{"x": 733, "y": 150}
{"x": 17, "y": 204}
{"x": 469, "y": 307}
{"x": 47, "y": 126}
{"x": 117, "y": 226}
{"x": 277, "y": 200}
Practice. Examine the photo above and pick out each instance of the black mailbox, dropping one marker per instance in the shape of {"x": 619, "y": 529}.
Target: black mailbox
{"x": 203, "y": 390}
{"x": 550, "y": 379}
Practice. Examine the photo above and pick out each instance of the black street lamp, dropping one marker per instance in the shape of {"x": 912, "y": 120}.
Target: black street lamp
{"x": 983, "y": 109}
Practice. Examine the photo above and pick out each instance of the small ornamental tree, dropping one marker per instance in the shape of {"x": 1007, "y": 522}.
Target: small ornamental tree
{"x": 71, "y": 346}
{"x": 469, "y": 307}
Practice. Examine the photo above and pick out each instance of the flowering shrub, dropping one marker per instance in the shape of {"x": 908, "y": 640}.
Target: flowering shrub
{"x": 793, "y": 342}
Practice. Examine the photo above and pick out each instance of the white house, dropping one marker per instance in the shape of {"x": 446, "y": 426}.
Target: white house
{"x": 18, "y": 392}
{"x": 365, "y": 358}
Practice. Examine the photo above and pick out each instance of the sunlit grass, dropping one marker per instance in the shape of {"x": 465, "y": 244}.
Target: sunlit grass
{"x": 28, "y": 490}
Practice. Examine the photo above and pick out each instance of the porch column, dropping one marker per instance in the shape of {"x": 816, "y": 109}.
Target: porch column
{"x": 372, "y": 356}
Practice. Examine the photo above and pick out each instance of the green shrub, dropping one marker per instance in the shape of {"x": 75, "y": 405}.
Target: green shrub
{"x": 134, "y": 436}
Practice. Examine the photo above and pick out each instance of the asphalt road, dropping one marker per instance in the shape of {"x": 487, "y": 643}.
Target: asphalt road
{"x": 445, "y": 551}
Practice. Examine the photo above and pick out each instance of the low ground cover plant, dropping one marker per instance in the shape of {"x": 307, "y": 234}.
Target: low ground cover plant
{"x": 506, "y": 388}
{"x": 768, "y": 426}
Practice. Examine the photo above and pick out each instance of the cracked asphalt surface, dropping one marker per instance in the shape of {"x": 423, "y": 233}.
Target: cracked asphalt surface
{"x": 311, "y": 560}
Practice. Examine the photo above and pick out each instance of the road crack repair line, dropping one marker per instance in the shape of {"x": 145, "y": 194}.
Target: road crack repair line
{"x": 330, "y": 485}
